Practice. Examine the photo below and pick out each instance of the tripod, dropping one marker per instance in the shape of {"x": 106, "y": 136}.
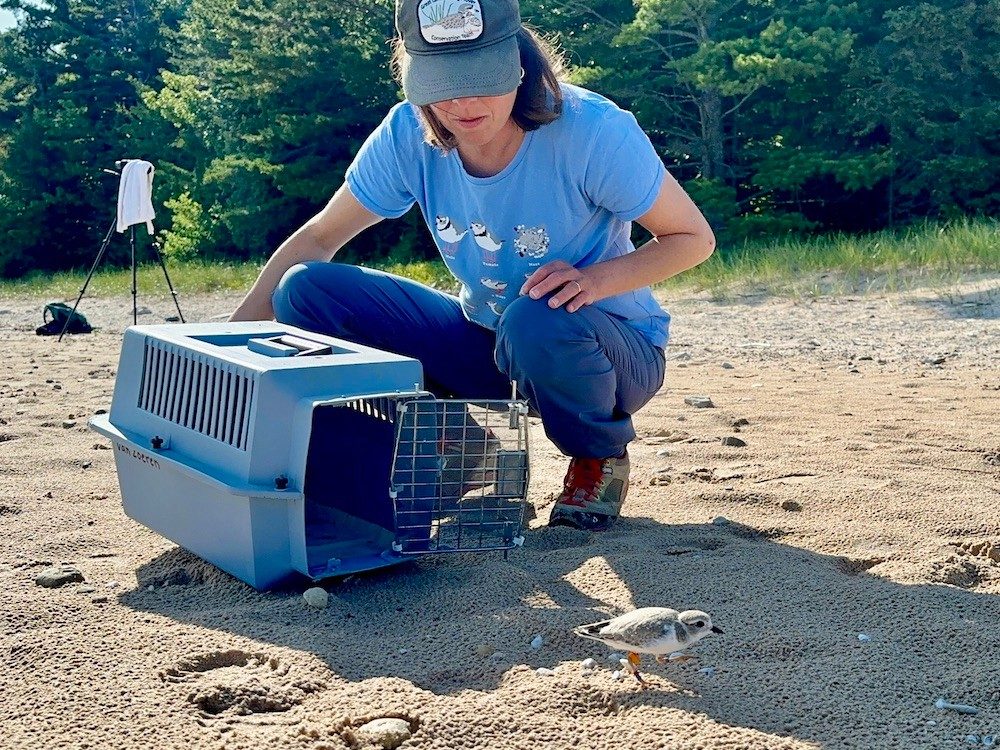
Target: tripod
{"x": 97, "y": 262}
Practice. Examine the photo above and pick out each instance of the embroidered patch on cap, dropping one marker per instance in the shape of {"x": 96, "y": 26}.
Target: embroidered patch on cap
{"x": 443, "y": 21}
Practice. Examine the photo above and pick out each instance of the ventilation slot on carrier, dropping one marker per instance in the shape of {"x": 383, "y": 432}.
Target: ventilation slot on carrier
{"x": 198, "y": 394}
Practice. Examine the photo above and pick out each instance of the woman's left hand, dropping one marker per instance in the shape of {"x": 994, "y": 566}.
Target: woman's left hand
{"x": 576, "y": 287}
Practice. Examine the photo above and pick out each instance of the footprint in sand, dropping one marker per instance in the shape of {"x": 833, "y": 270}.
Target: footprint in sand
{"x": 985, "y": 549}
{"x": 853, "y": 566}
{"x": 555, "y": 537}
{"x": 178, "y": 567}
{"x": 955, "y": 571}
{"x": 240, "y": 683}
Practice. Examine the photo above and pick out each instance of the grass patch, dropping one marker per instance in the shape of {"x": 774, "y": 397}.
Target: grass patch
{"x": 188, "y": 277}
{"x": 924, "y": 255}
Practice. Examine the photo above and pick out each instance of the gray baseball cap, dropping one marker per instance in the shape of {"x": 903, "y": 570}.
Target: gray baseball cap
{"x": 457, "y": 48}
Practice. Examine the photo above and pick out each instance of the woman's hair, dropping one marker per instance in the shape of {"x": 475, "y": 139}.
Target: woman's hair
{"x": 539, "y": 100}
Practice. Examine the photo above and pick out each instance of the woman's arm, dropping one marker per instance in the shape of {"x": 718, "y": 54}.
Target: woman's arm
{"x": 681, "y": 240}
{"x": 320, "y": 238}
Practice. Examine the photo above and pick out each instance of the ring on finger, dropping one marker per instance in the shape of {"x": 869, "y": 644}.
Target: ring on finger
{"x": 574, "y": 281}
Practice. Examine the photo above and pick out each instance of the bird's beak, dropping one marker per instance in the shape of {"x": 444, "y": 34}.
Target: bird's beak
{"x": 720, "y": 631}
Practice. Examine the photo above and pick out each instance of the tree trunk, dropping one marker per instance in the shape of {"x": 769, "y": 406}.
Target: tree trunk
{"x": 713, "y": 161}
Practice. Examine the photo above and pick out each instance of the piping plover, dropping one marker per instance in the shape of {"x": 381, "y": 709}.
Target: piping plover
{"x": 483, "y": 238}
{"x": 448, "y": 231}
{"x": 651, "y": 630}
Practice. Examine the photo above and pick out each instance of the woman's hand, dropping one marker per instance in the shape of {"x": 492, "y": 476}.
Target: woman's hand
{"x": 681, "y": 239}
{"x": 576, "y": 286}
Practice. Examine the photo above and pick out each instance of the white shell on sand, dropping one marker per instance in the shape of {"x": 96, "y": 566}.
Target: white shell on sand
{"x": 588, "y": 664}
{"x": 545, "y": 671}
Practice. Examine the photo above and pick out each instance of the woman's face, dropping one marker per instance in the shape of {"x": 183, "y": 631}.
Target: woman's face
{"x": 476, "y": 120}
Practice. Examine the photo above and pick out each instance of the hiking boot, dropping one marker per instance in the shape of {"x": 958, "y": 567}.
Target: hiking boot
{"x": 593, "y": 493}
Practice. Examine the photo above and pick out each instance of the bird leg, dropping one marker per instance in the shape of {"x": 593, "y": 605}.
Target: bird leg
{"x": 633, "y": 663}
{"x": 676, "y": 656}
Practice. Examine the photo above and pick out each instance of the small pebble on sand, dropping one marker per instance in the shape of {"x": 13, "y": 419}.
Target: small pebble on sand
{"x": 53, "y": 578}
{"x": 699, "y": 402}
{"x": 536, "y": 642}
{"x": 389, "y": 733}
{"x": 316, "y": 597}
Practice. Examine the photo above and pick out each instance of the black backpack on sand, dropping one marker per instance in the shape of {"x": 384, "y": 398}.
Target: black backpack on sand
{"x": 55, "y": 316}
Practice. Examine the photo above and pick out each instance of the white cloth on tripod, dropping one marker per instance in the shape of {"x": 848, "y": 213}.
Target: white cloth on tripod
{"x": 135, "y": 195}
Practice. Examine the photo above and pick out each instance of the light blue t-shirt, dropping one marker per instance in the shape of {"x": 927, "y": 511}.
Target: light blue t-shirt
{"x": 570, "y": 193}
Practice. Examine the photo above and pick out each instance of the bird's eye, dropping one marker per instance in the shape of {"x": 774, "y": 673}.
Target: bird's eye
{"x": 700, "y": 624}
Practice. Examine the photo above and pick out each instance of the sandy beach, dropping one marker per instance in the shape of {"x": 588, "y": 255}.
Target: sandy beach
{"x": 850, "y": 551}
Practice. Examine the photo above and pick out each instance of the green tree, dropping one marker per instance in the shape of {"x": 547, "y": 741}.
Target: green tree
{"x": 266, "y": 103}
{"x": 698, "y": 74}
{"x": 68, "y": 76}
{"x": 925, "y": 96}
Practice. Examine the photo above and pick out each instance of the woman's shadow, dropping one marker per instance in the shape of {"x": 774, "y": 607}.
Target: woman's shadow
{"x": 814, "y": 647}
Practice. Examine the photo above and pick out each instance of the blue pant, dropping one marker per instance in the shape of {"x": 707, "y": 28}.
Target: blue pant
{"x": 584, "y": 373}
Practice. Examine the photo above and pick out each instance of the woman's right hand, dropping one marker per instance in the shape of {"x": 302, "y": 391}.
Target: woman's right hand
{"x": 342, "y": 219}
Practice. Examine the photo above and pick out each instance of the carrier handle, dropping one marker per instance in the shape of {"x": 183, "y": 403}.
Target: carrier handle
{"x": 287, "y": 345}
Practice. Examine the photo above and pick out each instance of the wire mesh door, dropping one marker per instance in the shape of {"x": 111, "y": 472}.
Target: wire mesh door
{"x": 460, "y": 475}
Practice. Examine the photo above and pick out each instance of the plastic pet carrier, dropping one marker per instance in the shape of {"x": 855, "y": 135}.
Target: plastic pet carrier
{"x": 271, "y": 451}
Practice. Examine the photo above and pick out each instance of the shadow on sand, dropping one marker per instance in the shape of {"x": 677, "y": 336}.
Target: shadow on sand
{"x": 791, "y": 663}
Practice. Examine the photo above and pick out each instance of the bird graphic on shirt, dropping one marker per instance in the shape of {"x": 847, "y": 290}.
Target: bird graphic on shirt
{"x": 497, "y": 287}
{"x": 484, "y": 239}
{"x": 448, "y": 231}
{"x": 651, "y": 630}
{"x": 495, "y": 307}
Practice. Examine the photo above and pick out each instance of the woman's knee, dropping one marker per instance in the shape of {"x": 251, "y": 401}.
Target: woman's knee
{"x": 299, "y": 291}
{"x": 537, "y": 336}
